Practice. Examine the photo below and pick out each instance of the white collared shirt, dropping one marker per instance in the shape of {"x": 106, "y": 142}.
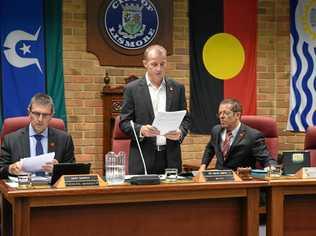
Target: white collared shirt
{"x": 44, "y": 141}
{"x": 158, "y": 100}
{"x": 234, "y": 134}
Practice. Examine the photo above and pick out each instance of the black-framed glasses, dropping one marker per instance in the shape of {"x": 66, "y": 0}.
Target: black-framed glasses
{"x": 38, "y": 114}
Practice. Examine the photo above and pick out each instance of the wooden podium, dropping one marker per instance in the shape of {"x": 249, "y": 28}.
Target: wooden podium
{"x": 112, "y": 102}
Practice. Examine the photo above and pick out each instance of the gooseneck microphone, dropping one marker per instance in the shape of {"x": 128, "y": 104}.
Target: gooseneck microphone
{"x": 139, "y": 148}
{"x": 142, "y": 179}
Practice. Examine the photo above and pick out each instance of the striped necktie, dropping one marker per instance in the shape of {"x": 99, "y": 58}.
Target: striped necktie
{"x": 226, "y": 144}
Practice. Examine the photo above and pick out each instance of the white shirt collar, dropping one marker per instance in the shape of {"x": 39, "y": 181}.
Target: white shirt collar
{"x": 149, "y": 83}
{"x": 32, "y": 132}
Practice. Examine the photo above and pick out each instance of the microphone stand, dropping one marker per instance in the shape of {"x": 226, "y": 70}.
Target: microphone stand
{"x": 143, "y": 179}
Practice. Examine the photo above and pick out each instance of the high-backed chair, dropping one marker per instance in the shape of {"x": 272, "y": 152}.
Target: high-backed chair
{"x": 268, "y": 127}
{"x": 120, "y": 141}
{"x": 264, "y": 124}
{"x": 14, "y": 123}
{"x": 310, "y": 143}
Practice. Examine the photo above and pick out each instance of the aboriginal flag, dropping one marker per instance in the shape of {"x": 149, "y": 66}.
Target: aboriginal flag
{"x": 222, "y": 58}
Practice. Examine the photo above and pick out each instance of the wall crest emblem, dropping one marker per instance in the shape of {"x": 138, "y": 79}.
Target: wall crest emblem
{"x": 131, "y": 24}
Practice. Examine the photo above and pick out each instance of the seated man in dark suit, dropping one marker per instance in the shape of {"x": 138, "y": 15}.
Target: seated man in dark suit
{"x": 234, "y": 143}
{"x": 36, "y": 139}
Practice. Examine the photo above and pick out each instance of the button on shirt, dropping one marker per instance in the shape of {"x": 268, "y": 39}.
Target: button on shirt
{"x": 44, "y": 141}
{"x": 158, "y": 100}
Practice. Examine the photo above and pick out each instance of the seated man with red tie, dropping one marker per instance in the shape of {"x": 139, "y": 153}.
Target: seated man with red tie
{"x": 36, "y": 139}
{"x": 234, "y": 143}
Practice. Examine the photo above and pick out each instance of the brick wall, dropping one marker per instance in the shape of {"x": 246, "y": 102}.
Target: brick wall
{"x": 84, "y": 76}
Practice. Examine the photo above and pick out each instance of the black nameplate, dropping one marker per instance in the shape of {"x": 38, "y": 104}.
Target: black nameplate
{"x": 81, "y": 180}
{"x": 218, "y": 175}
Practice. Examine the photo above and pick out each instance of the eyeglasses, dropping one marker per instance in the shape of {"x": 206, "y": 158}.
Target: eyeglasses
{"x": 225, "y": 113}
{"x": 38, "y": 114}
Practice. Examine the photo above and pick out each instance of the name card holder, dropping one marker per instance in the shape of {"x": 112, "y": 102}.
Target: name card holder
{"x": 219, "y": 175}
{"x": 306, "y": 173}
{"x": 82, "y": 180}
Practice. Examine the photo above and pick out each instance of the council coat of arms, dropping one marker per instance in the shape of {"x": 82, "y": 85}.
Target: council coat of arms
{"x": 132, "y": 26}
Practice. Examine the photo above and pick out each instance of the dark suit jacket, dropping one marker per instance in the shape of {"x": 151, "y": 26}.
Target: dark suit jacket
{"x": 16, "y": 145}
{"x": 247, "y": 148}
{"x": 137, "y": 106}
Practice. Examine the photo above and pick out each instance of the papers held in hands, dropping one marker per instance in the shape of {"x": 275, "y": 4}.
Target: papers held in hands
{"x": 34, "y": 164}
{"x": 168, "y": 121}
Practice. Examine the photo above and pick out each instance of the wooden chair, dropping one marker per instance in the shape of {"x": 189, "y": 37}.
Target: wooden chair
{"x": 120, "y": 141}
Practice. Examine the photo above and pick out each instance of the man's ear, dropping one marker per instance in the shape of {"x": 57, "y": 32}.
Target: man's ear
{"x": 145, "y": 63}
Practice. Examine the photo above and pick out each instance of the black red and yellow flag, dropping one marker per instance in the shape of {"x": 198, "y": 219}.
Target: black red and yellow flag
{"x": 222, "y": 58}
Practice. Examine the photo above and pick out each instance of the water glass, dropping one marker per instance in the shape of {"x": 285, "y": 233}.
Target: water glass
{"x": 171, "y": 174}
{"x": 115, "y": 168}
{"x": 24, "y": 180}
{"x": 275, "y": 172}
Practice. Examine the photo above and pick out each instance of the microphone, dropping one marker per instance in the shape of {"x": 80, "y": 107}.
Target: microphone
{"x": 142, "y": 179}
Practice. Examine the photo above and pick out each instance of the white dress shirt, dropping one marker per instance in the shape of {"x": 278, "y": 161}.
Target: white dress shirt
{"x": 158, "y": 101}
{"x": 44, "y": 141}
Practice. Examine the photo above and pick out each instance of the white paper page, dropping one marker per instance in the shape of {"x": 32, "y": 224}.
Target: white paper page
{"x": 34, "y": 164}
{"x": 168, "y": 121}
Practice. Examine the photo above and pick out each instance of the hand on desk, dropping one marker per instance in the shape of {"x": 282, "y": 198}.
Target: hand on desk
{"x": 202, "y": 168}
{"x": 15, "y": 168}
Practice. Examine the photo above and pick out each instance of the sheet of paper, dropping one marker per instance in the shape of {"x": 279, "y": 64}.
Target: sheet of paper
{"x": 168, "y": 121}
{"x": 34, "y": 164}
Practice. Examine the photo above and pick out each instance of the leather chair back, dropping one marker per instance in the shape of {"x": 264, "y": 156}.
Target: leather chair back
{"x": 268, "y": 127}
{"x": 120, "y": 141}
{"x": 14, "y": 123}
{"x": 310, "y": 143}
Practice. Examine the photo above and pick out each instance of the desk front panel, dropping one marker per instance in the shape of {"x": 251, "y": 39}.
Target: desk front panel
{"x": 176, "y": 209}
{"x": 192, "y": 217}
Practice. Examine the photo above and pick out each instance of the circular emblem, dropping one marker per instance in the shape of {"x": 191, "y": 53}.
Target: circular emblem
{"x": 131, "y": 24}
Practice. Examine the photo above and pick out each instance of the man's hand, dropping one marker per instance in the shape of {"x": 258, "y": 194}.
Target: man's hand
{"x": 48, "y": 166}
{"x": 15, "y": 168}
{"x": 202, "y": 168}
{"x": 173, "y": 135}
{"x": 149, "y": 131}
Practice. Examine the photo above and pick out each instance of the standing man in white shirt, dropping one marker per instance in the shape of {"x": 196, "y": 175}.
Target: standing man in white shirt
{"x": 143, "y": 98}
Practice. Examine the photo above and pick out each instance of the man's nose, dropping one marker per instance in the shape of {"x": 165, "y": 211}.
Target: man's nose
{"x": 40, "y": 118}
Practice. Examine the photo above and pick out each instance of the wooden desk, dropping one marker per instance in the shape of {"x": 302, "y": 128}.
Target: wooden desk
{"x": 291, "y": 207}
{"x": 167, "y": 209}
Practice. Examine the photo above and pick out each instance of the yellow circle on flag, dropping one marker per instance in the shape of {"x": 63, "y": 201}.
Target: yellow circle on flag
{"x": 223, "y": 56}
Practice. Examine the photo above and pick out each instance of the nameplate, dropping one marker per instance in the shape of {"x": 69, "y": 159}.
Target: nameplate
{"x": 79, "y": 181}
{"x": 219, "y": 175}
{"x": 306, "y": 173}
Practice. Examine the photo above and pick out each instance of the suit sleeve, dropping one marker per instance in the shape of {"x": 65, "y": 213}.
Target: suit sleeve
{"x": 186, "y": 123}
{"x": 260, "y": 151}
{"x": 5, "y": 159}
{"x": 208, "y": 153}
{"x": 69, "y": 156}
{"x": 128, "y": 113}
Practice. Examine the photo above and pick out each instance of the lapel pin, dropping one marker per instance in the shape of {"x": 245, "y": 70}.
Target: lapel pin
{"x": 51, "y": 145}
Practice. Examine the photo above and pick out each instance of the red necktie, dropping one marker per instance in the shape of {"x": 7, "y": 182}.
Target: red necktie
{"x": 226, "y": 144}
